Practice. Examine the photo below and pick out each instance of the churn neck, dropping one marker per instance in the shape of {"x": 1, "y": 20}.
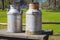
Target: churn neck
{"x": 12, "y": 6}
{"x": 34, "y": 5}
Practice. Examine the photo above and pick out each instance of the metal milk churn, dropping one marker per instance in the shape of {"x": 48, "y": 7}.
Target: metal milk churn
{"x": 33, "y": 20}
{"x": 12, "y": 19}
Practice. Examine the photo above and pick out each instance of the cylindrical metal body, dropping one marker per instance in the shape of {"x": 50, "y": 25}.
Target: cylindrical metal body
{"x": 12, "y": 19}
{"x": 11, "y": 23}
{"x": 33, "y": 20}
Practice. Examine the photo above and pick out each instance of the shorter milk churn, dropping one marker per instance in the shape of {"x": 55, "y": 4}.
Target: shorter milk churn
{"x": 12, "y": 19}
{"x": 33, "y": 19}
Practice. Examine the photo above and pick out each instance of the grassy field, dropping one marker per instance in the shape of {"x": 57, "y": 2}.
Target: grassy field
{"x": 51, "y": 15}
{"x": 3, "y": 16}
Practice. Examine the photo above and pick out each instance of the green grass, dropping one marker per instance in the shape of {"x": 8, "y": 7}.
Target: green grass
{"x": 2, "y": 27}
{"x": 3, "y": 16}
{"x": 54, "y": 27}
{"x": 51, "y": 15}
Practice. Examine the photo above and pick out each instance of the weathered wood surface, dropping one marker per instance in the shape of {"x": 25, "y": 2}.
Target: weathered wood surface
{"x": 22, "y": 36}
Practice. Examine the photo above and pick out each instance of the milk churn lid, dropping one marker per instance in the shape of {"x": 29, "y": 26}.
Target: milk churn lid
{"x": 33, "y": 8}
{"x": 34, "y": 5}
{"x": 13, "y": 10}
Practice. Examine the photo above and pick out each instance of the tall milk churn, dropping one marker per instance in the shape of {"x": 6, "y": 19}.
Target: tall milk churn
{"x": 33, "y": 20}
{"x": 12, "y": 19}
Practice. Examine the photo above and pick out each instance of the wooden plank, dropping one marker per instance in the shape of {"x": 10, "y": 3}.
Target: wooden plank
{"x": 3, "y": 23}
{"x": 23, "y": 36}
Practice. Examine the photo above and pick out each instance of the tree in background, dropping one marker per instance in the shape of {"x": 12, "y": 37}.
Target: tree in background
{"x": 6, "y": 3}
{"x": 48, "y": 3}
{"x": 2, "y": 4}
{"x": 55, "y": 4}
